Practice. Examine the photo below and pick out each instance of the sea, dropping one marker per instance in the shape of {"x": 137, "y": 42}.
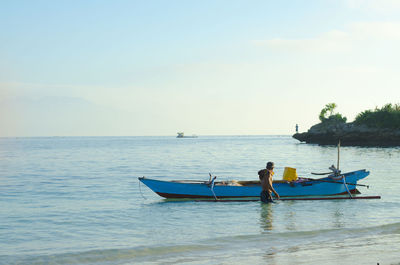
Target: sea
{"x": 77, "y": 200}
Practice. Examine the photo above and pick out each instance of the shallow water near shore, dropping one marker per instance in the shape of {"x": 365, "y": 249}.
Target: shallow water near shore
{"x": 77, "y": 200}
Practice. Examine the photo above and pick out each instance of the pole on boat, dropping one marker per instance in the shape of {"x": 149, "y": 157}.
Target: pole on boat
{"x": 343, "y": 177}
{"x": 338, "y": 155}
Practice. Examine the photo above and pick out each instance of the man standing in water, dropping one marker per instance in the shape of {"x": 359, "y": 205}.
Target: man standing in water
{"x": 265, "y": 176}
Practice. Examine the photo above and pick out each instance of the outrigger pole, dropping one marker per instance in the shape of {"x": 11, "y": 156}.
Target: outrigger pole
{"x": 295, "y": 199}
{"x": 332, "y": 181}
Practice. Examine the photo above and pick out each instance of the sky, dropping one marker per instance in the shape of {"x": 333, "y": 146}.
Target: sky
{"x": 210, "y": 67}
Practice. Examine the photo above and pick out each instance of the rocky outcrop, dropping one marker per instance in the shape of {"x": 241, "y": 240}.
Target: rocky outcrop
{"x": 349, "y": 134}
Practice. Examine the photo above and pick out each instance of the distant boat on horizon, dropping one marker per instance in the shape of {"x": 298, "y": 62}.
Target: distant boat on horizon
{"x": 182, "y": 135}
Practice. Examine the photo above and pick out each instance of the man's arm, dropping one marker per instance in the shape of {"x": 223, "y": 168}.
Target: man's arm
{"x": 276, "y": 194}
{"x": 272, "y": 187}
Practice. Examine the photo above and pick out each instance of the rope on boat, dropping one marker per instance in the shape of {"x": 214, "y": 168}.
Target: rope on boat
{"x": 141, "y": 193}
{"x": 347, "y": 188}
{"x": 212, "y": 188}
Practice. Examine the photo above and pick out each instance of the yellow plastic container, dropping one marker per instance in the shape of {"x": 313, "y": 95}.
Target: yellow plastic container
{"x": 290, "y": 174}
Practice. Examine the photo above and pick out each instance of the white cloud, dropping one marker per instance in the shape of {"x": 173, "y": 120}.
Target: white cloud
{"x": 382, "y": 31}
{"x": 332, "y": 41}
{"x": 380, "y": 6}
{"x": 348, "y": 40}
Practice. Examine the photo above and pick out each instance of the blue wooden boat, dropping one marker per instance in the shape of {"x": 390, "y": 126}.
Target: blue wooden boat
{"x": 331, "y": 185}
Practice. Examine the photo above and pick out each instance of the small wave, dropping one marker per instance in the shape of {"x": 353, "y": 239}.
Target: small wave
{"x": 109, "y": 256}
{"x": 312, "y": 235}
{"x": 283, "y": 241}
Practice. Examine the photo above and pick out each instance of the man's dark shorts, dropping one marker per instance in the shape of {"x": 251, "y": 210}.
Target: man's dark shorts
{"x": 265, "y": 197}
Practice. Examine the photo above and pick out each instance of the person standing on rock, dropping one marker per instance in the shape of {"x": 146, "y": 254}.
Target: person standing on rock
{"x": 265, "y": 176}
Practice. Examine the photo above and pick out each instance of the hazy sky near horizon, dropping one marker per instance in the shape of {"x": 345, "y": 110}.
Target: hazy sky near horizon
{"x": 72, "y": 68}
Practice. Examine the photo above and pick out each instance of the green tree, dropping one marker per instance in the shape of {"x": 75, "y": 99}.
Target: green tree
{"x": 387, "y": 116}
{"x": 330, "y": 108}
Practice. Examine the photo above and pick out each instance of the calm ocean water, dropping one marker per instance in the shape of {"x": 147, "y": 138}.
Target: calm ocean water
{"x": 77, "y": 200}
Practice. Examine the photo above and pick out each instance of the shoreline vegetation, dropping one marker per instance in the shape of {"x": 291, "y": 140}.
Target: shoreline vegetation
{"x": 378, "y": 127}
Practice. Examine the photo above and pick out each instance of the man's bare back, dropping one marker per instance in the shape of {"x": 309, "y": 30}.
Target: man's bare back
{"x": 266, "y": 182}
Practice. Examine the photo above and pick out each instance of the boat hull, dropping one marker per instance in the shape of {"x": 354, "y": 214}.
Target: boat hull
{"x": 321, "y": 187}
